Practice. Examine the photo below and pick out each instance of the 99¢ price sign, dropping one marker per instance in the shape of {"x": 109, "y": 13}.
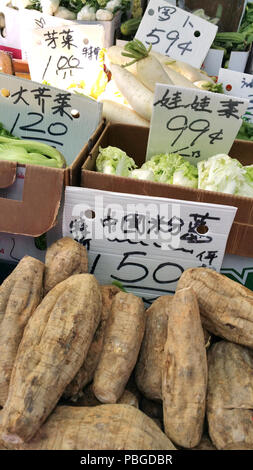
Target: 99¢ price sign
{"x": 145, "y": 243}
{"x": 194, "y": 123}
{"x": 176, "y": 33}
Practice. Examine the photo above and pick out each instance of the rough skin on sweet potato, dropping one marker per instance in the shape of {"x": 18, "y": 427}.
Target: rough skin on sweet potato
{"x": 184, "y": 382}
{"x": 20, "y": 295}
{"x": 53, "y": 348}
{"x": 86, "y": 373}
{"x": 226, "y": 307}
{"x": 122, "y": 341}
{"x": 64, "y": 258}
{"x": 105, "y": 427}
{"x": 230, "y": 396}
{"x": 148, "y": 371}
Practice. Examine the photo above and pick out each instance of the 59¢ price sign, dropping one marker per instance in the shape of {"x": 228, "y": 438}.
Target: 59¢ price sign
{"x": 176, "y": 33}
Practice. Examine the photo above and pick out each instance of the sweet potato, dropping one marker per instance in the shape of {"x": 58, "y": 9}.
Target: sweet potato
{"x": 184, "y": 380}
{"x": 86, "y": 372}
{"x": 54, "y": 345}
{"x": 226, "y": 307}
{"x": 64, "y": 258}
{"x": 88, "y": 398}
{"x": 20, "y": 294}
{"x": 230, "y": 396}
{"x": 148, "y": 372}
{"x": 128, "y": 398}
{"x": 205, "y": 444}
{"x": 105, "y": 427}
{"x": 122, "y": 341}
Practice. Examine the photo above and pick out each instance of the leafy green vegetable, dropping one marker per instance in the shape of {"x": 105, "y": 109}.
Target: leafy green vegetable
{"x": 30, "y": 152}
{"x": 113, "y": 161}
{"x": 5, "y": 133}
{"x": 225, "y": 174}
{"x": 141, "y": 174}
{"x": 172, "y": 169}
{"x": 246, "y": 131}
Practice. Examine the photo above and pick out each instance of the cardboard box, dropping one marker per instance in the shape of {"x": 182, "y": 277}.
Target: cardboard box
{"x": 36, "y": 212}
{"x": 133, "y": 140}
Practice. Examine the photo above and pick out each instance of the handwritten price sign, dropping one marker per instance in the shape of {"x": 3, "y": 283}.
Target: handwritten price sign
{"x": 66, "y": 54}
{"x": 238, "y": 84}
{"x": 39, "y": 112}
{"x": 195, "y": 124}
{"x": 176, "y": 33}
{"x": 145, "y": 243}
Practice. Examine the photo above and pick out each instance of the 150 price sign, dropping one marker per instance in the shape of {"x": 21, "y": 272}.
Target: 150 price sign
{"x": 176, "y": 33}
{"x": 145, "y": 243}
{"x": 194, "y": 123}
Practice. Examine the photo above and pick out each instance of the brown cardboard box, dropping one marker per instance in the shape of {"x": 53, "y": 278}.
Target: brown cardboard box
{"x": 37, "y": 212}
{"x": 133, "y": 140}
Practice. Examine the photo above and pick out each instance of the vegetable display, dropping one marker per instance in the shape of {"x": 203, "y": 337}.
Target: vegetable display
{"x": 154, "y": 360}
{"x": 135, "y": 71}
{"x": 218, "y": 173}
{"x": 88, "y": 10}
{"x": 28, "y": 152}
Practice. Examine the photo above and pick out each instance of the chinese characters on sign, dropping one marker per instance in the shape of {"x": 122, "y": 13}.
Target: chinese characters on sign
{"x": 195, "y": 124}
{"x": 39, "y": 112}
{"x": 146, "y": 243}
{"x": 63, "y": 55}
{"x": 176, "y": 33}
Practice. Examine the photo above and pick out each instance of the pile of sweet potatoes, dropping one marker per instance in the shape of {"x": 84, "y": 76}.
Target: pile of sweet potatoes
{"x": 85, "y": 366}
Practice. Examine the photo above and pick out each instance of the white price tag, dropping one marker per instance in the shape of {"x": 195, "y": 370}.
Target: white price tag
{"x": 40, "y": 112}
{"x": 176, "y": 33}
{"x": 145, "y": 243}
{"x": 64, "y": 55}
{"x": 194, "y": 123}
{"x": 238, "y": 84}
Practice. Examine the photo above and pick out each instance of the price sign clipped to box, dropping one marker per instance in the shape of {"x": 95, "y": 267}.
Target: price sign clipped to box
{"x": 145, "y": 243}
{"x": 176, "y": 33}
{"x": 40, "y": 112}
{"x": 238, "y": 84}
{"x": 65, "y": 55}
{"x": 194, "y": 123}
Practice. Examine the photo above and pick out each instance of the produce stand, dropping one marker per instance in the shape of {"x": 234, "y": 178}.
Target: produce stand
{"x": 126, "y": 228}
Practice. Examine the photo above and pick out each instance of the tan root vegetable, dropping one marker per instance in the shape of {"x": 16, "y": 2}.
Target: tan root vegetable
{"x": 230, "y": 396}
{"x": 205, "y": 444}
{"x": 64, "y": 258}
{"x": 20, "y": 294}
{"x": 106, "y": 427}
{"x": 185, "y": 372}
{"x": 53, "y": 348}
{"x": 226, "y": 307}
{"x": 148, "y": 372}
{"x": 86, "y": 372}
{"x": 122, "y": 341}
{"x": 128, "y": 398}
{"x": 88, "y": 398}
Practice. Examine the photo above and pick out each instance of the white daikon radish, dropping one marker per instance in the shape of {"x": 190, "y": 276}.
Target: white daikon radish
{"x": 177, "y": 78}
{"x": 114, "y": 54}
{"x": 149, "y": 69}
{"x": 135, "y": 93}
{"x": 150, "y": 72}
{"x": 116, "y": 112}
